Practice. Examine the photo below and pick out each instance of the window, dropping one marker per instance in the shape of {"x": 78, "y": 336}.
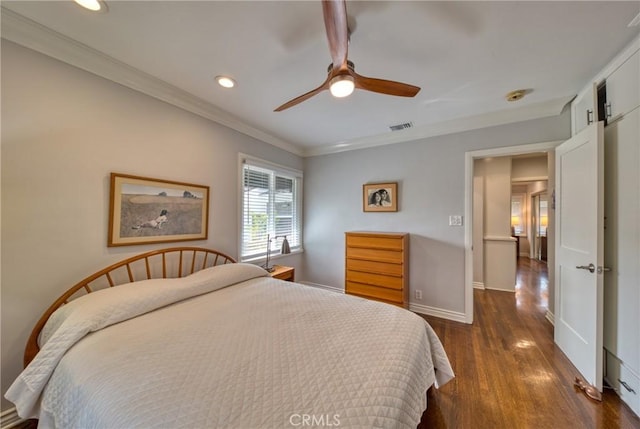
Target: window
{"x": 271, "y": 206}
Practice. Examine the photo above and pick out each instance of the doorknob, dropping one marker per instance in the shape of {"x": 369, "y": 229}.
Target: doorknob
{"x": 591, "y": 268}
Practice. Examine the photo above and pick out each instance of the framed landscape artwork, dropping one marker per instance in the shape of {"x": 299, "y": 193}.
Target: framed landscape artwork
{"x": 144, "y": 210}
{"x": 380, "y": 197}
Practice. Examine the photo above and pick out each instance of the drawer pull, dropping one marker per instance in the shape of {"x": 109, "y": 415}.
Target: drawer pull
{"x": 626, "y": 386}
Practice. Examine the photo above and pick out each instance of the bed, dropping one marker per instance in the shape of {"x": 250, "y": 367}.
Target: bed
{"x": 187, "y": 337}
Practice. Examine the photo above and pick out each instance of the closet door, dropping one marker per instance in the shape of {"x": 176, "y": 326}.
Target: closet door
{"x": 622, "y": 255}
{"x": 623, "y": 88}
{"x": 584, "y": 109}
{"x": 622, "y": 239}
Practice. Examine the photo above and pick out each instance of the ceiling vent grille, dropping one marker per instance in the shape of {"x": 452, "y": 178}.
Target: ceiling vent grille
{"x": 401, "y": 127}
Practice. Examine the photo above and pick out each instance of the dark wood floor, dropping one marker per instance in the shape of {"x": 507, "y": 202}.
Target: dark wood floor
{"x": 509, "y": 372}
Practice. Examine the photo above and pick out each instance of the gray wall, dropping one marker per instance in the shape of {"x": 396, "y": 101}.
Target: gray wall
{"x": 430, "y": 174}
{"x": 63, "y": 131}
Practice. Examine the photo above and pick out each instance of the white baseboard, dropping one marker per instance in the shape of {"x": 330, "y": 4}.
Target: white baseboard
{"x": 438, "y": 312}
{"x": 10, "y": 418}
{"x": 416, "y": 308}
{"x": 321, "y": 286}
{"x": 478, "y": 285}
{"x": 550, "y": 317}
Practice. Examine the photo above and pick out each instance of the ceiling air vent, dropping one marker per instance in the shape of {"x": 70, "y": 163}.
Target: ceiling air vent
{"x": 401, "y": 127}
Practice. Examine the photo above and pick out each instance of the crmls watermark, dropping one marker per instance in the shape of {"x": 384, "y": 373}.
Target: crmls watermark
{"x": 315, "y": 420}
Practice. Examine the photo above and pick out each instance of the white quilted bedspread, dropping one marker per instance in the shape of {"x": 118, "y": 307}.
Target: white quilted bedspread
{"x": 230, "y": 348}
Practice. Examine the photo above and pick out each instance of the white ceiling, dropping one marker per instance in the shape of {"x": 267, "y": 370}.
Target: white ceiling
{"x": 464, "y": 55}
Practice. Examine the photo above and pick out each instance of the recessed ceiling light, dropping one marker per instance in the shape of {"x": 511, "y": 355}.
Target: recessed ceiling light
{"x": 93, "y": 5}
{"x": 225, "y": 81}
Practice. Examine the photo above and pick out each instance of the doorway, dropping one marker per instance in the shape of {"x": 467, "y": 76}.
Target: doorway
{"x": 470, "y": 157}
{"x": 539, "y": 226}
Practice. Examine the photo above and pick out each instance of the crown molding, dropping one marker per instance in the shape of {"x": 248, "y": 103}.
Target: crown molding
{"x": 23, "y": 31}
{"x": 501, "y": 117}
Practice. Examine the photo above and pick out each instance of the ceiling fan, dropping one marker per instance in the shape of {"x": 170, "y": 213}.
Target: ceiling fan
{"x": 342, "y": 78}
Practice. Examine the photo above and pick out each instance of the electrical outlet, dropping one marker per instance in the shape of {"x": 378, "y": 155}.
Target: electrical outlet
{"x": 455, "y": 220}
{"x": 418, "y": 294}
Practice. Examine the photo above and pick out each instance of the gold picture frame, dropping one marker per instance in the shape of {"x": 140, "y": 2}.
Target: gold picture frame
{"x": 145, "y": 210}
{"x": 380, "y": 197}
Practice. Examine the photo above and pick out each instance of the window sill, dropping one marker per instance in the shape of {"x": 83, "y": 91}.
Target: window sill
{"x": 262, "y": 259}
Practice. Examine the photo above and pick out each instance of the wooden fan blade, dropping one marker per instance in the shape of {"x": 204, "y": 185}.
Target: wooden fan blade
{"x": 306, "y": 96}
{"x": 335, "y": 22}
{"x": 383, "y": 86}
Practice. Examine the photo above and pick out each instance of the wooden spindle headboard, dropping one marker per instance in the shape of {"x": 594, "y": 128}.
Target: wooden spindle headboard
{"x": 164, "y": 263}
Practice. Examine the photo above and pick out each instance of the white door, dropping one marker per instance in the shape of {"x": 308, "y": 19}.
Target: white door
{"x": 579, "y": 250}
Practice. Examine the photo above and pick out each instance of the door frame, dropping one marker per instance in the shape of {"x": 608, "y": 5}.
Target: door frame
{"x": 533, "y": 227}
{"x": 533, "y": 223}
{"x": 469, "y": 159}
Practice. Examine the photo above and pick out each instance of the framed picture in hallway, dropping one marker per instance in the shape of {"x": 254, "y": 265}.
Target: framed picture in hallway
{"x": 380, "y": 197}
{"x": 145, "y": 210}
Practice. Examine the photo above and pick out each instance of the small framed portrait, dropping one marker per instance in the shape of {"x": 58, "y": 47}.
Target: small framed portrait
{"x": 380, "y": 197}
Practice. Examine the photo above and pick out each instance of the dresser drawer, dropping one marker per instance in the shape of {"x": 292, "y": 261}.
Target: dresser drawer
{"x": 380, "y": 280}
{"x": 374, "y": 255}
{"x": 375, "y": 267}
{"x": 630, "y": 389}
{"x": 380, "y": 293}
{"x": 624, "y": 381}
{"x": 378, "y": 242}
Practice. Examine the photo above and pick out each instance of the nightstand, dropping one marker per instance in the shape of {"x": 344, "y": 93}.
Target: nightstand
{"x": 283, "y": 273}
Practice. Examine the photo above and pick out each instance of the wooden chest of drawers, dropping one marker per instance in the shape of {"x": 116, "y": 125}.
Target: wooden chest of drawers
{"x": 377, "y": 266}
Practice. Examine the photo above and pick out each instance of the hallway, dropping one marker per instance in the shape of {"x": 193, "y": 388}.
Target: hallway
{"x": 509, "y": 372}
{"x": 532, "y": 286}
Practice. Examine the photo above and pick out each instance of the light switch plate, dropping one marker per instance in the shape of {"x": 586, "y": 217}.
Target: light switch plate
{"x": 455, "y": 220}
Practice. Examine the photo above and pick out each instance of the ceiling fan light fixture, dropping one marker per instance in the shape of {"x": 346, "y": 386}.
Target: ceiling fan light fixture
{"x": 225, "y": 81}
{"x": 342, "y": 86}
{"x": 93, "y": 5}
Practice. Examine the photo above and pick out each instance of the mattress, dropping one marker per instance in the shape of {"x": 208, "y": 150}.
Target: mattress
{"x": 230, "y": 347}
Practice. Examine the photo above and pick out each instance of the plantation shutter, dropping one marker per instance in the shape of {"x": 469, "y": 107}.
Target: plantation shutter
{"x": 271, "y": 206}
